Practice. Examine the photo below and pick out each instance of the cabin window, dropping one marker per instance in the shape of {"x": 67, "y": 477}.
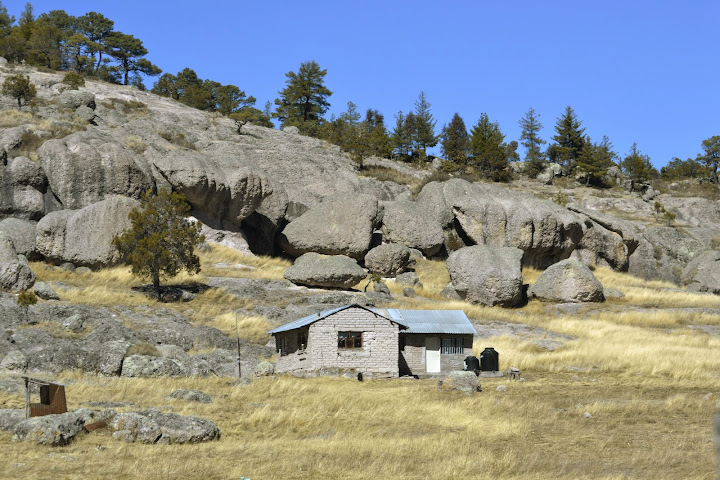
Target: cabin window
{"x": 349, "y": 340}
{"x": 282, "y": 345}
{"x": 452, "y": 346}
{"x": 302, "y": 341}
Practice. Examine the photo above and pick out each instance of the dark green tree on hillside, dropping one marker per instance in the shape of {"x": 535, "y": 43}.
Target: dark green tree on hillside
{"x": 422, "y": 127}
{"x": 595, "y": 159}
{"x": 304, "y": 100}
{"x": 96, "y": 28}
{"x": 569, "y": 139}
{"x": 374, "y": 135}
{"x": 488, "y": 149}
{"x": 711, "y": 156}
{"x": 19, "y": 87}
{"x": 6, "y": 22}
{"x": 677, "y": 169}
{"x": 129, "y": 52}
{"x": 401, "y": 137}
{"x": 637, "y": 166}
{"x": 455, "y": 143}
{"x": 530, "y": 139}
{"x": 161, "y": 241}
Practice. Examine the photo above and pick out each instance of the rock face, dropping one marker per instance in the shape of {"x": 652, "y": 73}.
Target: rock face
{"x": 487, "y": 275}
{"x": 45, "y": 291}
{"x": 702, "y": 274}
{"x": 485, "y": 214}
{"x": 567, "y": 281}
{"x": 409, "y": 224}
{"x": 316, "y": 270}
{"x": 147, "y": 366}
{"x": 339, "y": 225}
{"x": 388, "y": 260}
{"x": 84, "y": 237}
{"x": 663, "y": 253}
{"x": 153, "y": 426}
{"x": 52, "y": 430}
{"x": 21, "y": 234}
{"x": 16, "y": 276}
{"x": 22, "y": 186}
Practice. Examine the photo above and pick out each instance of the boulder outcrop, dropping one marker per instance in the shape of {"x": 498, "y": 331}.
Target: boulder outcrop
{"x": 388, "y": 260}
{"x": 409, "y": 224}
{"x": 333, "y": 271}
{"x": 702, "y": 274}
{"x": 567, "y": 281}
{"x": 488, "y": 275}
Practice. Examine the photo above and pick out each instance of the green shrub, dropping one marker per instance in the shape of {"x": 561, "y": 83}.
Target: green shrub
{"x": 74, "y": 80}
{"x": 561, "y": 199}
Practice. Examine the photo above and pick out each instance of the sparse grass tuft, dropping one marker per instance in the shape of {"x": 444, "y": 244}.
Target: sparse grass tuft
{"x": 143, "y": 349}
{"x": 136, "y": 144}
{"x": 251, "y": 328}
{"x": 126, "y": 106}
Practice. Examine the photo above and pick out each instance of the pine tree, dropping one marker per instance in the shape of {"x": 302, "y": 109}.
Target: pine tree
{"x": 530, "y": 139}
{"x": 488, "y": 150}
{"x": 400, "y": 138}
{"x": 6, "y": 22}
{"x": 637, "y": 166}
{"x": 20, "y": 88}
{"x": 161, "y": 241}
{"x": 303, "y": 101}
{"x": 374, "y": 135}
{"x": 129, "y": 52}
{"x": 423, "y": 127}
{"x": 711, "y": 156}
{"x": 594, "y": 160}
{"x": 455, "y": 143}
{"x": 569, "y": 139}
{"x": 96, "y": 28}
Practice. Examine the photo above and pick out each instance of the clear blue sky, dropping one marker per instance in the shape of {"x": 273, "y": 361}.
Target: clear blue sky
{"x": 636, "y": 71}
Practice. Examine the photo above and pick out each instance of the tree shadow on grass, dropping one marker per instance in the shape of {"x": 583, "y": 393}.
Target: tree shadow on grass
{"x": 173, "y": 293}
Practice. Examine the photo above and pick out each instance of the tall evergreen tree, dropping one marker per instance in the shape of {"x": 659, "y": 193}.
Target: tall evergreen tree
{"x": 711, "y": 156}
{"x": 530, "y": 139}
{"x": 488, "y": 150}
{"x": 569, "y": 139}
{"x": 423, "y": 128}
{"x": 455, "y": 143}
{"x": 6, "y": 22}
{"x": 595, "y": 159}
{"x": 96, "y": 28}
{"x": 304, "y": 100}
{"x": 129, "y": 52}
{"x": 374, "y": 134}
{"x": 400, "y": 138}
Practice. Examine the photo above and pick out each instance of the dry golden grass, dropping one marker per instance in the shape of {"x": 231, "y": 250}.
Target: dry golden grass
{"x": 259, "y": 266}
{"x": 631, "y": 363}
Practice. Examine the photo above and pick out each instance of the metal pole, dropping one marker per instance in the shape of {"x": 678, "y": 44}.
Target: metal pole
{"x": 237, "y": 336}
{"x": 27, "y": 397}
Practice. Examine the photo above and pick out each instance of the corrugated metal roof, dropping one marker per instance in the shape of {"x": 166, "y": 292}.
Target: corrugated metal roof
{"x": 305, "y": 321}
{"x": 433, "y": 321}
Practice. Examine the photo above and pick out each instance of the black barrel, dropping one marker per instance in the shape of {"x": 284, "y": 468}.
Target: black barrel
{"x": 490, "y": 360}
{"x": 472, "y": 363}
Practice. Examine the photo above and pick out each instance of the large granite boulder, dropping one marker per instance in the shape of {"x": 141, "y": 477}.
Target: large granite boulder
{"x": 84, "y": 168}
{"x": 663, "y": 253}
{"x": 21, "y": 234}
{"x": 412, "y": 225}
{"x": 149, "y": 366}
{"x": 341, "y": 224}
{"x": 15, "y": 273}
{"x": 388, "y": 260}
{"x": 702, "y": 274}
{"x": 153, "y": 426}
{"x": 22, "y": 186}
{"x": 567, "y": 281}
{"x": 602, "y": 247}
{"x": 84, "y": 237}
{"x": 51, "y": 430}
{"x": 487, "y": 275}
{"x": 317, "y": 270}
{"x": 460, "y": 381}
{"x": 486, "y": 214}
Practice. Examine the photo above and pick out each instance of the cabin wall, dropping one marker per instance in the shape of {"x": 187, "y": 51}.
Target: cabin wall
{"x": 295, "y": 357}
{"x": 412, "y": 353}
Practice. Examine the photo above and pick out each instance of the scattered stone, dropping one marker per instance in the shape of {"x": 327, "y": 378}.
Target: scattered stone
{"x": 380, "y": 287}
{"x": 612, "y": 293}
{"x": 264, "y": 369}
{"x": 74, "y": 323}
{"x": 16, "y": 276}
{"x": 588, "y": 415}
{"x": 14, "y": 361}
{"x": 83, "y": 270}
{"x": 147, "y": 366}
{"x": 10, "y": 417}
{"x": 501, "y": 388}
{"x": 409, "y": 278}
{"x": 567, "y": 281}
{"x": 53, "y": 430}
{"x": 461, "y": 381}
{"x": 134, "y": 427}
{"x": 409, "y": 292}
{"x": 45, "y": 291}
{"x": 192, "y": 396}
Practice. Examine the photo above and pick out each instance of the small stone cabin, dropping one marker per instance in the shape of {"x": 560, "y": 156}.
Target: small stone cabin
{"x": 375, "y": 342}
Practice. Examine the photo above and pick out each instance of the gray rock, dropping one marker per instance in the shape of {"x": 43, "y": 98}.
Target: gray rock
{"x": 380, "y": 287}
{"x": 316, "y": 270}
{"x": 84, "y": 237}
{"x": 134, "y": 427}
{"x": 501, "y": 388}
{"x": 16, "y": 276}
{"x": 567, "y": 281}
{"x": 340, "y": 225}
{"x": 388, "y": 259}
{"x": 702, "y": 274}
{"x": 21, "y": 233}
{"x": 45, "y": 291}
{"x": 264, "y": 369}
{"x": 291, "y": 130}
{"x": 450, "y": 293}
{"x": 461, "y": 381}
{"x": 177, "y": 429}
{"x": 409, "y": 292}
{"x": 83, "y": 169}
{"x": 74, "y": 323}
{"x": 146, "y": 366}
{"x": 111, "y": 356}
{"x": 72, "y": 99}
{"x": 7, "y": 251}
{"x": 14, "y": 361}
{"x": 663, "y": 253}
{"x": 52, "y": 430}
{"x": 602, "y": 247}
{"x": 487, "y": 275}
{"x": 10, "y": 417}
{"x": 409, "y": 278}
{"x": 612, "y": 293}
{"x": 412, "y": 225}
{"x": 192, "y": 396}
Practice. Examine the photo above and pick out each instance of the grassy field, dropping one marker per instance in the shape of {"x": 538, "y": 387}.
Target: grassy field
{"x": 630, "y": 393}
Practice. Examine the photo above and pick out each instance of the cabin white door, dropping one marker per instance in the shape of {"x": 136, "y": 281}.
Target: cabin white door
{"x": 432, "y": 354}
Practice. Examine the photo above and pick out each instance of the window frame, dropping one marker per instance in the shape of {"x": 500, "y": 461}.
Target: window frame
{"x": 353, "y": 340}
{"x": 452, "y": 346}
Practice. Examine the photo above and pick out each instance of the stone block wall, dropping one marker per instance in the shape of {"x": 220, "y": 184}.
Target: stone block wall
{"x": 413, "y": 353}
{"x": 295, "y": 358}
